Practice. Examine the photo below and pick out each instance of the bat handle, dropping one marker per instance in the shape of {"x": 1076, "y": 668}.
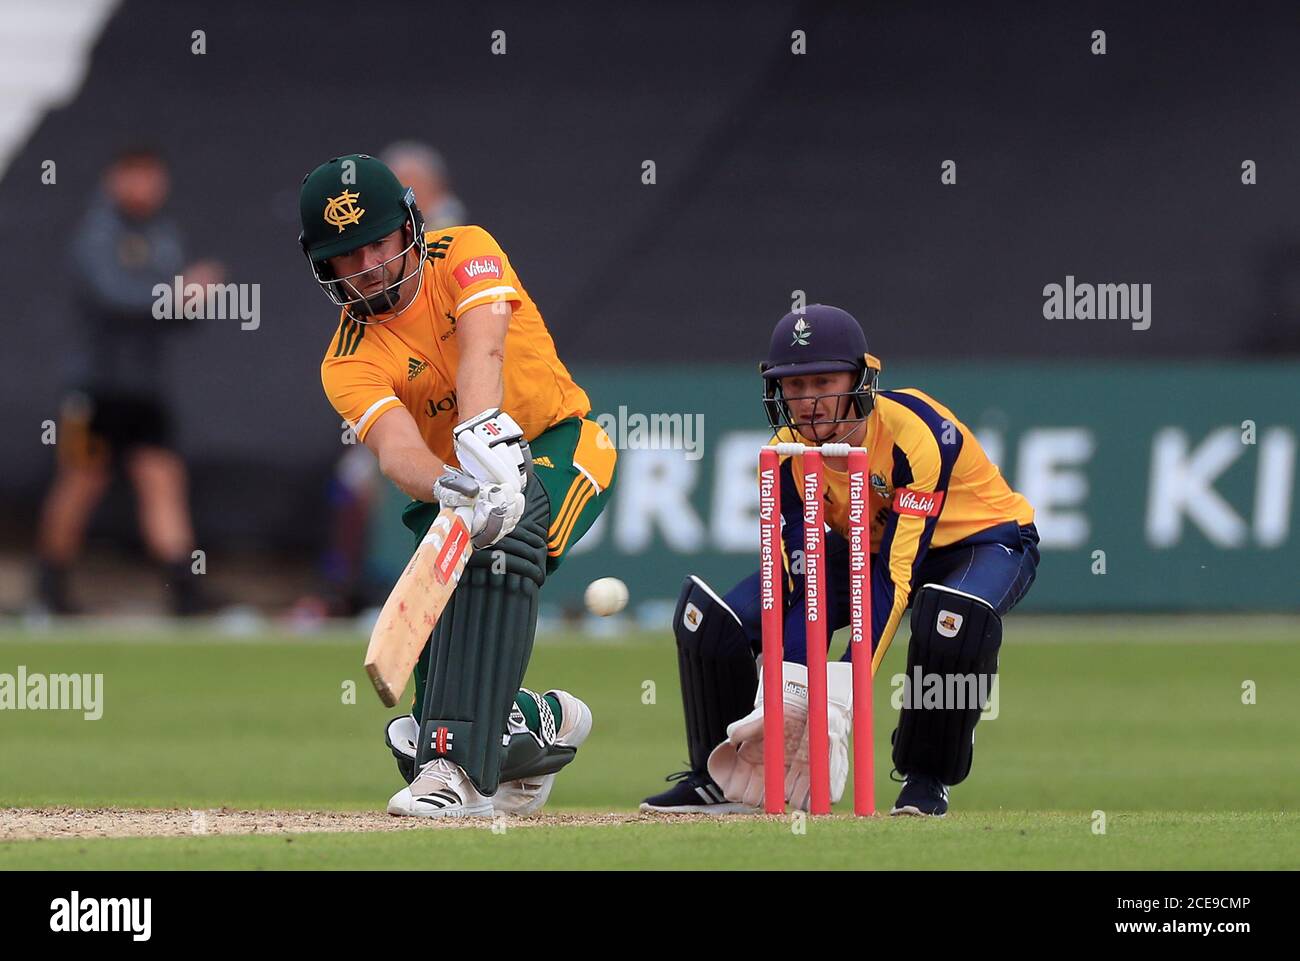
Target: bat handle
{"x": 464, "y": 514}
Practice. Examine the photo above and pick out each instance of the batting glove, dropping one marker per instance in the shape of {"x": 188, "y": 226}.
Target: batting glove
{"x": 492, "y": 449}
{"x": 493, "y": 510}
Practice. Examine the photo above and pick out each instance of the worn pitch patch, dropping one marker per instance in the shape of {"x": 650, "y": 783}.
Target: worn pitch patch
{"x": 20, "y": 824}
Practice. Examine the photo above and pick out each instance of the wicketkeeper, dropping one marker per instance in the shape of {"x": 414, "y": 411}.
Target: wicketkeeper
{"x": 443, "y": 367}
{"x": 949, "y": 539}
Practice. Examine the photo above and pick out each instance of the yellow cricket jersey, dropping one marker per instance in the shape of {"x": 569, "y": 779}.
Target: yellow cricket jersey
{"x": 931, "y": 485}
{"x": 411, "y": 361}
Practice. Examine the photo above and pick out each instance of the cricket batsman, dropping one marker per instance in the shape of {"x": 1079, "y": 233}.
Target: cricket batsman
{"x": 443, "y": 367}
{"x": 949, "y": 538}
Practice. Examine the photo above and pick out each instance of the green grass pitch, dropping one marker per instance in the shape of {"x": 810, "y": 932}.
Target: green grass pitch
{"x": 1140, "y": 718}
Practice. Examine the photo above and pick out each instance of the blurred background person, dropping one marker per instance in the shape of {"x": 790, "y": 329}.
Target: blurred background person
{"x": 420, "y": 166}
{"x": 115, "y": 413}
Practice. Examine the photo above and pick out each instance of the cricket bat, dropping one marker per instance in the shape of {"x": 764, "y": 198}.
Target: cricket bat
{"x": 416, "y": 602}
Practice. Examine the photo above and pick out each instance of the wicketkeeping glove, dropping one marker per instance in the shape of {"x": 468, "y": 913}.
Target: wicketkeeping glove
{"x": 737, "y": 763}
{"x": 839, "y": 703}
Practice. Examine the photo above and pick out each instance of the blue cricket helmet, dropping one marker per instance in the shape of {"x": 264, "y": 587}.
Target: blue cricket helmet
{"x": 820, "y": 339}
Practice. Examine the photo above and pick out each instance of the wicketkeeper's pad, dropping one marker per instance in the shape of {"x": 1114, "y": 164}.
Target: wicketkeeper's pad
{"x": 955, "y": 642}
{"x": 716, "y": 666}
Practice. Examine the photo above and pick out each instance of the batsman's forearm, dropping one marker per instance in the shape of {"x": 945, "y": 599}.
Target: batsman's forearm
{"x": 479, "y": 384}
{"x": 413, "y": 469}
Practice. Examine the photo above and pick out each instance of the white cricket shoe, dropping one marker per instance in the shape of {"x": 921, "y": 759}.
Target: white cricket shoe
{"x": 525, "y": 797}
{"x": 440, "y": 790}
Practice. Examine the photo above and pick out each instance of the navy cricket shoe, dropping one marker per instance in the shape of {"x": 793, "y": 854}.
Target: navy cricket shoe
{"x": 922, "y": 796}
{"x": 693, "y": 793}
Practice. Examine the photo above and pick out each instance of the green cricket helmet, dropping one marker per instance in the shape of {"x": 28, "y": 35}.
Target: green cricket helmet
{"x": 346, "y": 203}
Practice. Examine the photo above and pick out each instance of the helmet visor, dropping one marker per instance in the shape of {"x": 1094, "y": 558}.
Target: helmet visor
{"x": 358, "y": 292}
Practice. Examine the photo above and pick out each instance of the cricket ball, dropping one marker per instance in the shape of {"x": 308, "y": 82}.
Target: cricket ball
{"x": 606, "y": 596}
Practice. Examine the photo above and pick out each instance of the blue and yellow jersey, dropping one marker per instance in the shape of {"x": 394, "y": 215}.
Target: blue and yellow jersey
{"x": 932, "y": 485}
